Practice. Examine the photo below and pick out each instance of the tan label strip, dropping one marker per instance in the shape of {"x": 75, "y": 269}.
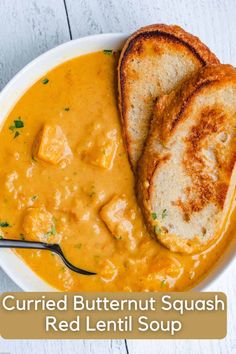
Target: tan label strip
{"x": 189, "y": 315}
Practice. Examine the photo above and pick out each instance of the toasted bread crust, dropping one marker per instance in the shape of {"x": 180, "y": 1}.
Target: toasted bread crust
{"x": 180, "y": 99}
{"x": 170, "y": 111}
{"x": 173, "y": 34}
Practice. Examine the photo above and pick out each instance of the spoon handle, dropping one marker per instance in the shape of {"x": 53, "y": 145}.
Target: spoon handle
{"x": 5, "y": 243}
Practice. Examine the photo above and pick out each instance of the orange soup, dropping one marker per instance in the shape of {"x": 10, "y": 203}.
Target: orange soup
{"x": 65, "y": 178}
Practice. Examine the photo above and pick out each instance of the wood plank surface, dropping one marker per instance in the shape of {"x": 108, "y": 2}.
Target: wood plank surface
{"x": 28, "y": 28}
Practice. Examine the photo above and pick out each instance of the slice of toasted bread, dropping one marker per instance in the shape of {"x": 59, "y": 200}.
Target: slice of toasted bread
{"x": 153, "y": 62}
{"x": 187, "y": 174}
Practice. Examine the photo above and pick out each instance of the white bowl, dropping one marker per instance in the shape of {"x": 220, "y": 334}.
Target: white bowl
{"x": 13, "y": 265}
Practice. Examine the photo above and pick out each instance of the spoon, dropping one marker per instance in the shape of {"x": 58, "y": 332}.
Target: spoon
{"x": 5, "y": 243}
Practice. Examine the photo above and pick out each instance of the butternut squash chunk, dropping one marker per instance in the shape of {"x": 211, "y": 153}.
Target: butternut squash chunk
{"x": 38, "y": 224}
{"x": 53, "y": 146}
{"x": 115, "y": 215}
{"x": 101, "y": 154}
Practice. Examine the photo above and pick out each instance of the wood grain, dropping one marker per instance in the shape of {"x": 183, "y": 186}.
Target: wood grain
{"x": 29, "y": 28}
{"x": 62, "y": 347}
{"x": 213, "y": 20}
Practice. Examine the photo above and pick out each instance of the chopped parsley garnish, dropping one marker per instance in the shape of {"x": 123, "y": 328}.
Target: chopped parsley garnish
{"x": 157, "y": 229}
{"x": 92, "y": 192}
{"x": 108, "y": 51}
{"x": 45, "y": 81}
{"x": 117, "y": 237}
{"x": 1, "y": 238}
{"x": 78, "y": 245}
{"x": 66, "y": 109}
{"x": 34, "y": 198}
{"x": 52, "y": 232}
{"x": 154, "y": 216}
{"x": 4, "y": 224}
{"x": 163, "y": 283}
{"x": 22, "y": 237}
{"x": 164, "y": 214}
{"x": 18, "y": 124}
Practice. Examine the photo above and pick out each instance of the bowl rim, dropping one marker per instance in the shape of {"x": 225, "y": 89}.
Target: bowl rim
{"x": 10, "y": 262}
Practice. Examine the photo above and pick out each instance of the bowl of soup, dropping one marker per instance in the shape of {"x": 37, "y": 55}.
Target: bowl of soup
{"x": 66, "y": 179}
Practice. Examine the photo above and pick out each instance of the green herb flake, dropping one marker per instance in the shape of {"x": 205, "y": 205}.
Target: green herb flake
{"x": 117, "y": 237}
{"x": 19, "y": 123}
{"x": 163, "y": 283}
{"x": 34, "y": 159}
{"x": 52, "y": 232}
{"x": 67, "y": 109}
{"x": 1, "y": 238}
{"x": 34, "y": 198}
{"x": 12, "y": 128}
{"x": 22, "y": 237}
{"x": 4, "y": 224}
{"x": 78, "y": 245}
{"x": 16, "y": 134}
{"x": 154, "y": 216}
{"x": 92, "y": 192}
{"x": 45, "y": 81}
{"x": 157, "y": 229}
{"x": 108, "y": 51}
{"x": 164, "y": 214}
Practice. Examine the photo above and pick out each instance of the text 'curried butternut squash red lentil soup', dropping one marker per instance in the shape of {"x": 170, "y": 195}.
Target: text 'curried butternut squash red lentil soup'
{"x": 65, "y": 178}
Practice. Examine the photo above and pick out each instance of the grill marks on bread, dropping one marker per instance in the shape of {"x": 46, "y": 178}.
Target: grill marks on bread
{"x": 206, "y": 187}
{"x": 189, "y": 159}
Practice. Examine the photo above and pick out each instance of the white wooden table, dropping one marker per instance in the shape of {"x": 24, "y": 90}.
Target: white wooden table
{"x": 31, "y": 27}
